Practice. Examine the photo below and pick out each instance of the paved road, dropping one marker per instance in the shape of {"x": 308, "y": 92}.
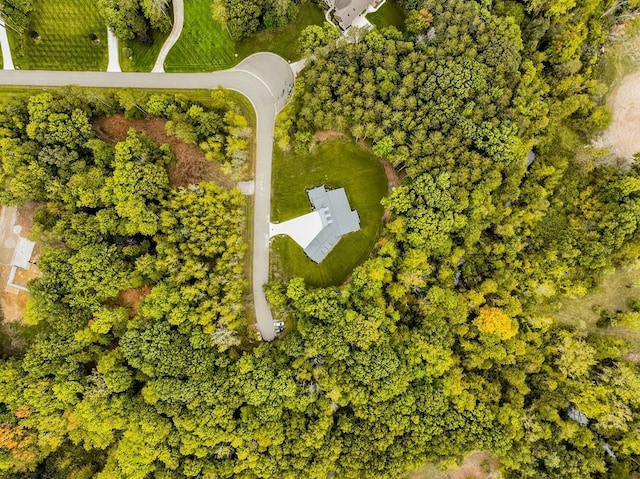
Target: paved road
{"x": 178, "y": 22}
{"x": 264, "y": 78}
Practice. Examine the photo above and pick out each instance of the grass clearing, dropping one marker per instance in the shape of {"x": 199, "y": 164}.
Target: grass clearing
{"x": 612, "y": 294}
{"x": 391, "y": 14}
{"x": 282, "y": 41}
{"x": 622, "y": 55}
{"x": 62, "y": 40}
{"x": 136, "y": 57}
{"x": 335, "y": 163}
{"x": 192, "y": 52}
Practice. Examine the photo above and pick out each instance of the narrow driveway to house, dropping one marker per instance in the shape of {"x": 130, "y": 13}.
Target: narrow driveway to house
{"x": 114, "y": 52}
{"x": 7, "y": 59}
{"x": 261, "y": 78}
{"x": 178, "y": 22}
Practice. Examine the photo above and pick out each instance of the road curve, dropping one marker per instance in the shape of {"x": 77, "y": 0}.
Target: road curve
{"x": 264, "y": 78}
{"x": 176, "y": 30}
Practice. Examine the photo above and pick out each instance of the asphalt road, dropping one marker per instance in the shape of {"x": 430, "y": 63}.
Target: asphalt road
{"x": 264, "y": 78}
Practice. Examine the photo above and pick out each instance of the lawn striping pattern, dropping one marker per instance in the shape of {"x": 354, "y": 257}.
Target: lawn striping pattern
{"x": 282, "y": 41}
{"x": 204, "y": 45}
{"x": 334, "y": 163}
{"x": 63, "y": 27}
{"x": 391, "y": 14}
{"x": 136, "y": 57}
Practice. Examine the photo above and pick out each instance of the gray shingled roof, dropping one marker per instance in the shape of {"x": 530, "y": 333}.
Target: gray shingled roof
{"x": 346, "y": 12}
{"x": 337, "y": 219}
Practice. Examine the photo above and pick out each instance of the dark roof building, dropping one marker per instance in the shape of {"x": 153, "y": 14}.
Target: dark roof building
{"x": 337, "y": 220}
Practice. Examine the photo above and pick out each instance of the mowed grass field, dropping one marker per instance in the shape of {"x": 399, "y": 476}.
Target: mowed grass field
{"x": 63, "y": 27}
{"x": 204, "y": 44}
{"x": 390, "y": 14}
{"x": 136, "y": 57}
{"x": 282, "y": 41}
{"x": 335, "y": 164}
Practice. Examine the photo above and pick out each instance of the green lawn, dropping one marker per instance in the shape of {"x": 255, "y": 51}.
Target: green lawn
{"x": 334, "y": 163}
{"x": 283, "y": 41}
{"x": 136, "y": 57}
{"x": 204, "y": 44}
{"x": 390, "y": 14}
{"x": 63, "y": 27}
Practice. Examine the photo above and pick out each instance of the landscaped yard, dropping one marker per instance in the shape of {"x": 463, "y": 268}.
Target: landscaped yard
{"x": 334, "y": 163}
{"x": 59, "y": 37}
{"x": 390, "y": 14}
{"x": 283, "y": 41}
{"x": 204, "y": 44}
{"x": 143, "y": 57}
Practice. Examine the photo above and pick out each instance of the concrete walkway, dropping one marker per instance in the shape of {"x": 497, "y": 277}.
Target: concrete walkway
{"x": 262, "y": 78}
{"x": 7, "y": 59}
{"x": 178, "y": 22}
{"x": 114, "y": 52}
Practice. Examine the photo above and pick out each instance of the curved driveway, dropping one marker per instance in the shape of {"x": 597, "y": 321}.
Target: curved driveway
{"x": 176, "y": 30}
{"x": 264, "y": 78}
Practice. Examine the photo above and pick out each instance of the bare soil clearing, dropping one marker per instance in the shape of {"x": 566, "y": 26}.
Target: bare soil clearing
{"x": 324, "y": 135}
{"x": 623, "y": 135}
{"x": 132, "y": 297}
{"x": 477, "y": 465}
{"x": 621, "y": 69}
{"x": 191, "y": 167}
{"x": 16, "y": 222}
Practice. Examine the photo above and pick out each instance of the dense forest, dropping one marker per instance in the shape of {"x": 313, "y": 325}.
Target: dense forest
{"x": 437, "y": 344}
{"x": 243, "y": 18}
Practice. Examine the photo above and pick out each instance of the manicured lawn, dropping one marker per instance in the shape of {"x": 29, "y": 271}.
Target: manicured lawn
{"x": 334, "y": 163}
{"x": 63, "y": 27}
{"x": 390, "y": 14}
{"x": 204, "y": 44}
{"x": 283, "y": 41}
{"x": 136, "y": 57}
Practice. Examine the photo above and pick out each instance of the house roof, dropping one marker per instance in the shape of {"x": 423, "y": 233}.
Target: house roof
{"x": 337, "y": 219}
{"x": 22, "y": 253}
{"x": 346, "y": 12}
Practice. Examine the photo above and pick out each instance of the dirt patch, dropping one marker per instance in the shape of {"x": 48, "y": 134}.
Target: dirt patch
{"x": 477, "y": 465}
{"x": 15, "y": 223}
{"x": 324, "y": 135}
{"x": 191, "y": 166}
{"x": 393, "y": 177}
{"x": 623, "y": 135}
{"x": 132, "y": 297}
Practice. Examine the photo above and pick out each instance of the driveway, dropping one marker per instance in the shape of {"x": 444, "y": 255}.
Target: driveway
{"x": 7, "y": 59}
{"x": 262, "y": 78}
{"x": 176, "y": 30}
